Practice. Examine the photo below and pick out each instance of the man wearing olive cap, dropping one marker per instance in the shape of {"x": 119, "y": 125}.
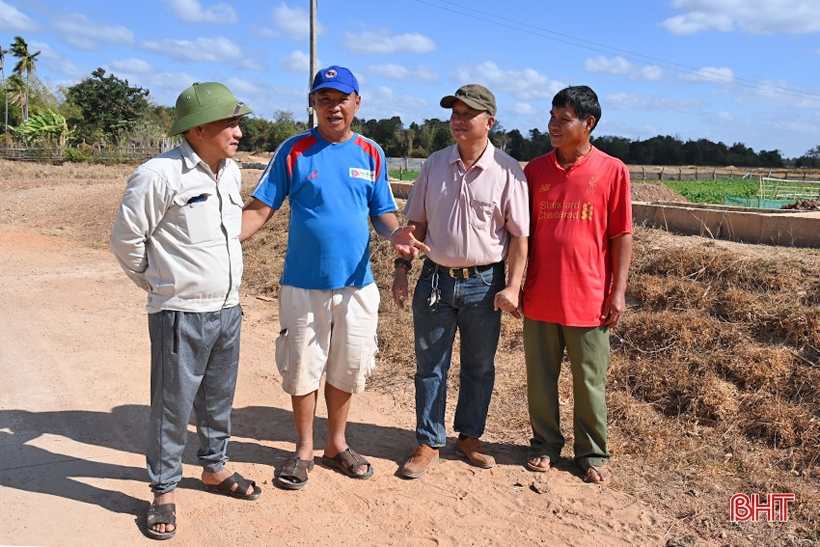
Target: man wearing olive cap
{"x": 177, "y": 237}
{"x": 470, "y": 207}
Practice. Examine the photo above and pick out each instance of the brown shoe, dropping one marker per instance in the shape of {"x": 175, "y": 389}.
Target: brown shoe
{"x": 422, "y": 458}
{"x": 471, "y": 447}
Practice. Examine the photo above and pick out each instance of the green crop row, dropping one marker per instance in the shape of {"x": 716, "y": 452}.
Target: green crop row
{"x": 714, "y": 191}
{"x": 401, "y": 174}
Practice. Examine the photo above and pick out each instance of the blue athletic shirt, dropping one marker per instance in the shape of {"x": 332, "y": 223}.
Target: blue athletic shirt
{"x": 333, "y": 189}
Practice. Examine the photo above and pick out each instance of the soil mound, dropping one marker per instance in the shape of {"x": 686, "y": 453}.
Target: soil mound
{"x": 804, "y": 205}
{"x": 652, "y": 192}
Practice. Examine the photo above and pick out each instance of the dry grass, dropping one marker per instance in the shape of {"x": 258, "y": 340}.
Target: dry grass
{"x": 714, "y": 384}
{"x": 20, "y": 170}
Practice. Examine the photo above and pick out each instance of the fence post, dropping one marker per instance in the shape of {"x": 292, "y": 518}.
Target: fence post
{"x": 660, "y": 175}
{"x": 696, "y": 173}
{"x": 643, "y": 172}
{"x": 680, "y": 173}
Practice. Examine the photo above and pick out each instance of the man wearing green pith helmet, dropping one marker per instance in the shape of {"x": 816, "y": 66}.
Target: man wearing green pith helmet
{"x": 177, "y": 237}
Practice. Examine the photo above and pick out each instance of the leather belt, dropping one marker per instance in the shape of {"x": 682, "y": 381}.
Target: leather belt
{"x": 461, "y": 272}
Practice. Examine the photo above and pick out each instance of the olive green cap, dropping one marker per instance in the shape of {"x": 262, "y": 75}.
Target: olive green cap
{"x": 474, "y": 96}
{"x": 205, "y": 103}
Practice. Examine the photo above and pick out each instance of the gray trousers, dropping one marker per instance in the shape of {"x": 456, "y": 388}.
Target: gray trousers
{"x": 194, "y": 363}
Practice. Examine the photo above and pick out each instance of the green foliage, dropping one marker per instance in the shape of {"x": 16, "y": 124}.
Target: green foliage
{"x": 811, "y": 159}
{"x": 26, "y": 65}
{"x": 666, "y": 150}
{"x": 48, "y": 128}
{"x": 77, "y": 155}
{"x": 714, "y": 191}
{"x": 105, "y": 108}
{"x": 259, "y": 134}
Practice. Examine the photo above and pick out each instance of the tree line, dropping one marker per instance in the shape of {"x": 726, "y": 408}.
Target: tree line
{"x": 104, "y": 109}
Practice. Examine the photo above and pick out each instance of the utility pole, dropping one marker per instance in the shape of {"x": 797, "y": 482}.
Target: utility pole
{"x": 311, "y": 114}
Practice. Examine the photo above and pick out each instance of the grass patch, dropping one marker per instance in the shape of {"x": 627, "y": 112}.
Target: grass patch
{"x": 401, "y": 174}
{"x": 714, "y": 191}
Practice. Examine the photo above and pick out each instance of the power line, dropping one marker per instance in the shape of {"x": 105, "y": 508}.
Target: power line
{"x": 603, "y": 48}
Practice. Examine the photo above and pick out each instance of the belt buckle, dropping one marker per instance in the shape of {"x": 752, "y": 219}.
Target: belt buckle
{"x": 465, "y": 273}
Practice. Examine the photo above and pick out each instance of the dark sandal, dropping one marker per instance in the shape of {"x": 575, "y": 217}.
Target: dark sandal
{"x": 294, "y": 475}
{"x": 241, "y": 492}
{"x": 349, "y": 462}
{"x": 161, "y": 514}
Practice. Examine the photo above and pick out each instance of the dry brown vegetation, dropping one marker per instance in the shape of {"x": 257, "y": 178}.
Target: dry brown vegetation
{"x": 714, "y": 385}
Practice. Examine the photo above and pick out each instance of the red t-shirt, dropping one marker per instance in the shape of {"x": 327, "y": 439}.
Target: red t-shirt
{"x": 574, "y": 215}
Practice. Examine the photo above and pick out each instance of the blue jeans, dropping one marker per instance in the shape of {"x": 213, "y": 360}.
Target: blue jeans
{"x": 466, "y": 305}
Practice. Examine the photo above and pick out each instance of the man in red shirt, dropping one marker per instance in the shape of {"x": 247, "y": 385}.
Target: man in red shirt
{"x": 580, "y": 250}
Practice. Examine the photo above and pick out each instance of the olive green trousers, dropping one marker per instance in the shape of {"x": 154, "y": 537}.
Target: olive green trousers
{"x": 588, "y": 352}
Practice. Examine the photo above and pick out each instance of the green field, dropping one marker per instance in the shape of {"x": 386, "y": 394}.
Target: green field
{"x": 401, "y": 174}
{"x": 714, "y": 191}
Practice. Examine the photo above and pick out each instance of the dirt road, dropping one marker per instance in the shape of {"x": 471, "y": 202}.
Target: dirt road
{"x": 74, "y": 363}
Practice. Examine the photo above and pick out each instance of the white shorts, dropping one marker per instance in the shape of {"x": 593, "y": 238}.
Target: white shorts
{"x": 327, "y": 331}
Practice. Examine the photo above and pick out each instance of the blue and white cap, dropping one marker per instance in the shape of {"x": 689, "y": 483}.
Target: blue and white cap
{"x": 335, "y": 77}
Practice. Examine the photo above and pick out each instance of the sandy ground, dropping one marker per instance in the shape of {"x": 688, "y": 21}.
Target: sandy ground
{"x": 74, "y": 363}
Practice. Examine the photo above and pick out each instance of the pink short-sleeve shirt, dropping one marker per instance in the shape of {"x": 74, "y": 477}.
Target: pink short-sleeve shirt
{"x": 470, "y": 214}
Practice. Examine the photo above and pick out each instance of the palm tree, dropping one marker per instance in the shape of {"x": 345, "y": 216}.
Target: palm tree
{"x": 16, "y": 92}
{"x": 26, "y": 64}
{"x": 6, "y": 95}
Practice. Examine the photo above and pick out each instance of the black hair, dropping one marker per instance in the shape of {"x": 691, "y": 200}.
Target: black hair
{"x": 582, "y": 99}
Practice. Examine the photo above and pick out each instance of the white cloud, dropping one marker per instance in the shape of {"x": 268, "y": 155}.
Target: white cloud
{"x": 132, "y": 66}
{"x": 524, "y": 109}
{"x": 625, "y": 101}
{"x": 263, "y": 33}
{"x": 778, "y": 93}
{"x": 383, "y": 42}
{"x": 46, "y": 51}
{"x": 710, "y": 75}
{"x": 53, "y": 61}
{"x": 192, "y": 11}
{"x": 723, "y": 117}
{"x": 399, "y": 72}
{"x": 749, "y": 16}
{"x": 252, "y": 64}
{"x": 383, "y": 102}
{"x": 77, "y": 30}
{"x": 295, "y": 22}
{"x": 241, "y": 88}
{"x": 14, "y": 21}
{"x": 296, "y": 61}
{"x": 525, "y": 84}
{"x": 213, "y": 50}
{"x": 622, "y": 67}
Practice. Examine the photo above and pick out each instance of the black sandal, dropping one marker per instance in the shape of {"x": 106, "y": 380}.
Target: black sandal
{"x": 161, "y": 514}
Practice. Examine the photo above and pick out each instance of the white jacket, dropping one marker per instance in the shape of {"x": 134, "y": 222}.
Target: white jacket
{"x": 177, "y": 232}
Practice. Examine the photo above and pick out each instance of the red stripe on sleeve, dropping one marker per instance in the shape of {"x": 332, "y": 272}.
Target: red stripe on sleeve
{"x": 299, "y": 148}
{"x": 371, "y": 151}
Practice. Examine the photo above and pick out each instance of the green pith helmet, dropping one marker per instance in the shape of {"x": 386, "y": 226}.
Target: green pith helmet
{"x": 205, "y": 103}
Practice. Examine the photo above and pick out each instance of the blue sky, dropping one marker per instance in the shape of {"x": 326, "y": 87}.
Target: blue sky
{"x": 726, "y": 70}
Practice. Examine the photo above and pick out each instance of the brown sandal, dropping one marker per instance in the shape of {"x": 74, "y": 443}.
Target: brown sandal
{"x": 349, "y": 462}
{"x": 294, "y": 475}
{"x": 241, "y": 492}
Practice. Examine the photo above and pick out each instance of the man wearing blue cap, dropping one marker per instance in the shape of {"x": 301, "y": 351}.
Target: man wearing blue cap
{"x": 328, "y": 306}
